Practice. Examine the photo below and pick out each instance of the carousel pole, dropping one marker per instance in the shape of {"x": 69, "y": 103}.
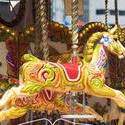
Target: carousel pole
{"x": 44, "y": 33}
{"x": 43, "y": 30}
{"x": 116, "y": 12}
{"x": 37, "y": 28}
{"x": 74, "y": 27}
{"x": 37, "y": 41}
{"x": 106, "y": 23}
{"x": 74, "y": 42}
{"x": 106, "y": 12}
{"x": 41, "y": 34}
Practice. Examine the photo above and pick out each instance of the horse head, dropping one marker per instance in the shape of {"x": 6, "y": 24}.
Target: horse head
{"x": 111, "y": 42}
{"x": 97, "y": 32}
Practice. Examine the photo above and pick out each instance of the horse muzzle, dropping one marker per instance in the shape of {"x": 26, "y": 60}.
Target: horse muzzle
{"x": 122, "y": 55}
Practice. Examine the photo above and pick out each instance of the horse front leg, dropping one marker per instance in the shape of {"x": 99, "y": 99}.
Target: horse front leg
{"x": 7, "y": 97}
{"x": 12, "y": 113}
{"x": 96, "y": 87}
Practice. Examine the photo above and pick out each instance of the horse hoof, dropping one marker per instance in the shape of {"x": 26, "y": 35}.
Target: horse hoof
{"x": 103, "y": 123}
{"x": 123, "y": 110}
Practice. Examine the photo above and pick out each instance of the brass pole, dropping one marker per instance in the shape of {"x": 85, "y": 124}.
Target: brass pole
{"x": 43, "y": 26}
{"x": 74, "y": 40}
{"x": 116, "y": 12}
{"x": 106, "y": 12}
{"x": 74, "y": 26}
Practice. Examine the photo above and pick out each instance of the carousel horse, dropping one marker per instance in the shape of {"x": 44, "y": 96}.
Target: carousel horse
{"x": 88, "y": 75}
{"x": 50, "y": 101}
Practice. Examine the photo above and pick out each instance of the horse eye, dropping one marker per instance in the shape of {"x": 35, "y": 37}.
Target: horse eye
{"x": 115, "y": 39}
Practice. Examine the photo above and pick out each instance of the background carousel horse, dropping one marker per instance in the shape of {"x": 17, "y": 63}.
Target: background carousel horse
{"x": 49, "y": 100}
{"x": 87, "y": 76}
{"x": 115, "y": 112}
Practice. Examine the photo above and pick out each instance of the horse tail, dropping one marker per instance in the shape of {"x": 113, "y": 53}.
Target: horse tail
{"x": 28, "y": 57}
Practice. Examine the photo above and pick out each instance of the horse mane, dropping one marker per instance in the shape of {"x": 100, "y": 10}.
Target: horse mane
{"x": 89, "y": 34}
{"x": 87, "y": 30}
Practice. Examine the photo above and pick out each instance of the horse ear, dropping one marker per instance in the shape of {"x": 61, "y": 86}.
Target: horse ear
{"x": 114, "y": 29}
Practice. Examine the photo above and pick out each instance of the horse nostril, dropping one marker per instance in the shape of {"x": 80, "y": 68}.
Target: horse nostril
{"x": 123, "y": 54}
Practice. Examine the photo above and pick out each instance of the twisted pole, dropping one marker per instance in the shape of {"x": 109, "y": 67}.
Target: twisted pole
{"x": 106, "y": 12}
{"x": 37, "y": 28}
{"x": 74, "y": 26}
{"x": 74, "y": 42}
{"x": 37, "y": 37}
{"x": 43, "y": 26}
{"x": 41, "y": 33}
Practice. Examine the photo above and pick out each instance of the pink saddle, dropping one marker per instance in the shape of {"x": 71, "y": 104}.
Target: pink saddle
{"x": 72, "y": 71}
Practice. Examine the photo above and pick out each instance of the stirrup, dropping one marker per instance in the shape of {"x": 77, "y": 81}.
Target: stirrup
{"x": 123, "y": 110}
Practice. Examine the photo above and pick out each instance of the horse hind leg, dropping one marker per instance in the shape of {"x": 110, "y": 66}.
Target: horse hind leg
{"x": 88, "y": 111}
{"x": 79, "y": 110}
{"x": 12, "y": 113}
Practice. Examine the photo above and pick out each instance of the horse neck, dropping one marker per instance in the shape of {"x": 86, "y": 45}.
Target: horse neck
{"x": 99, "y": 58}
{"x": 95, "y": 53}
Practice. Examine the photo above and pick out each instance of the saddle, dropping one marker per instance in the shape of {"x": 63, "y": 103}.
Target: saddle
{"x": 72, "y": 71}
